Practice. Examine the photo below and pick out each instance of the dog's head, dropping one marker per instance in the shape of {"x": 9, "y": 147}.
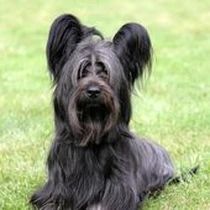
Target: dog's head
{"x": 94, "y": 77}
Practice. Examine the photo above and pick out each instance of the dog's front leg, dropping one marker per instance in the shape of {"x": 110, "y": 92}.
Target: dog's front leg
{"x": 117, "y": 196}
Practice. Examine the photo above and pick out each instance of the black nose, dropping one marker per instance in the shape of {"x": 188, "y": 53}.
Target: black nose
{"x": 93, "y": 91}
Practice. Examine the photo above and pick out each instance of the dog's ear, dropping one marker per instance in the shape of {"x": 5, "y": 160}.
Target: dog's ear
{"x": 65, "y": 33}
{"x": 133, "y": 47}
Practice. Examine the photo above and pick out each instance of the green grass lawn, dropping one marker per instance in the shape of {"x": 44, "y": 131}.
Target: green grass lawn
{"x": 173, "y": 107}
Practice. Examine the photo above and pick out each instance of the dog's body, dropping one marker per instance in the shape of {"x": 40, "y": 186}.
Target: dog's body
{"x": 95, "y": 162}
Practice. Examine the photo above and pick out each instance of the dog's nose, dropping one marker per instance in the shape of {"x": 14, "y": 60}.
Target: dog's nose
{"x": 93, "y": 91}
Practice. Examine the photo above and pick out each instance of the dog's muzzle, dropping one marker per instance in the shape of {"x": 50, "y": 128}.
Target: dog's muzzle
{"x": 94, "y": 103}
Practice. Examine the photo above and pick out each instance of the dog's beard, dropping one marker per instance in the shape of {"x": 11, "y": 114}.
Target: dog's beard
{"x": 90, "y": 120}
{"x": 97, "y": 113}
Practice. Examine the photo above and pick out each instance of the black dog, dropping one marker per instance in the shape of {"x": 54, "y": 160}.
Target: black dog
{"x": 95, "y": 162}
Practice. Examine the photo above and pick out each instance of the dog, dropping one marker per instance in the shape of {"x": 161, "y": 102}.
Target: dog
{"x": 95, "y": 161}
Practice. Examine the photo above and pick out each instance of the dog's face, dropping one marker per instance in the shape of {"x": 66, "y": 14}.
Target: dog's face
{"x": 93, "y": 107}
{"x": 94, "y": 77}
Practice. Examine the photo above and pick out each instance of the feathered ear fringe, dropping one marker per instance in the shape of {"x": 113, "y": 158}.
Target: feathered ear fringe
{"x": 65, "y": 33}
{"x": 133, "y": 46}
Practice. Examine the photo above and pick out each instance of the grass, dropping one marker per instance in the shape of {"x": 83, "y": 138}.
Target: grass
{"x": 173, "y": 108}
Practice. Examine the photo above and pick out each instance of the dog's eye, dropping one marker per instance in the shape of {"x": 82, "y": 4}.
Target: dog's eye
{"x": 101, "y": 70}
{"x": 84, "y": 70}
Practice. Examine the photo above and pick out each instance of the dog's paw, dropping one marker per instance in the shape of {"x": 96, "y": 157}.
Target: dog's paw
{"x": 96, "y": 207}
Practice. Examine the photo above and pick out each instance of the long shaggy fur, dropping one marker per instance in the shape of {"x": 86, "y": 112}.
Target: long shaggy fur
{"x": 95, "y": 162}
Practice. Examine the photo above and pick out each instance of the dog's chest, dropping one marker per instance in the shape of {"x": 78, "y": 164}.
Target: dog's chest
{"x": 89, "y": 178}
